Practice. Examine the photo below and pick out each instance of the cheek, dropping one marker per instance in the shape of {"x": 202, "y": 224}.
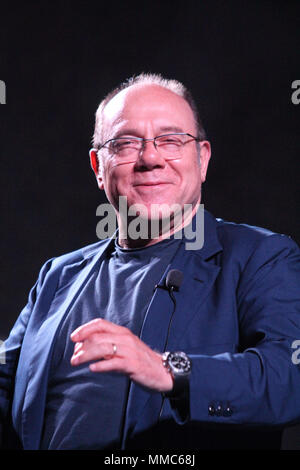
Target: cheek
{"x": 189, "y": 173}
{"x": 116, "y": 179}
{"x": 192, "y": 182}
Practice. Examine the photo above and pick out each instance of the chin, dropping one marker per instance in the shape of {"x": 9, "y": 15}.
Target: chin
{"x": 156, "y": 209}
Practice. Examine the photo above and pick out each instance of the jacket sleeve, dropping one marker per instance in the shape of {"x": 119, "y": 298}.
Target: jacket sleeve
{"x": 10, "y": 351}
{"x": 259, "y": 384}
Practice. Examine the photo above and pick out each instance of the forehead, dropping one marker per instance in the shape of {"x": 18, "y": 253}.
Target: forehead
{"x": 141, "y": 106}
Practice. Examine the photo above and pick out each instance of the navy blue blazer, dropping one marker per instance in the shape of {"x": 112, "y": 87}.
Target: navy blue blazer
{"x": 237, "y": 315}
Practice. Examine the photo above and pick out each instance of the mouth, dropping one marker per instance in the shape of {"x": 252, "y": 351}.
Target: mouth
{"x": 151, "y": 184}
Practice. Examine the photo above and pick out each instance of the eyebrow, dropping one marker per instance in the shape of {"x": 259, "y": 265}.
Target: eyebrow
{"x": 134, "y": 132}
{"x": 171, "y": 129}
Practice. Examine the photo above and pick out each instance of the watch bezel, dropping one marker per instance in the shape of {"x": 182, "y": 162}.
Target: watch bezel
{"x": 168, "y": 358}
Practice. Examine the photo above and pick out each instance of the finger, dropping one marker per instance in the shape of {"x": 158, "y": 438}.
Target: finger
{"x": 110, "y": 365}
{"x": 95, "y": 326}
{"x": 77, "y": 347}
{"x": 90, "y": 351}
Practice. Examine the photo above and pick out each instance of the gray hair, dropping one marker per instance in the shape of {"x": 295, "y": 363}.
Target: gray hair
{"x": 148, "y": 79}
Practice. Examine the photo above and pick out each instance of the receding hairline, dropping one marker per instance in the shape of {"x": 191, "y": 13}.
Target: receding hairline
{"x": 143, "y": 79}
{"x": 132, "y": 93}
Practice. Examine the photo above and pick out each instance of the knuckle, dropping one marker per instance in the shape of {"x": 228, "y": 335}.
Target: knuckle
{"x": 97, "y": 322}
{"x": 95, "y": 338}
{"x": 131, "y": 340}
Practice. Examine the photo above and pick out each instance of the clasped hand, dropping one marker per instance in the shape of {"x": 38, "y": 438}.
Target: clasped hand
{"x": 114, "y": 348}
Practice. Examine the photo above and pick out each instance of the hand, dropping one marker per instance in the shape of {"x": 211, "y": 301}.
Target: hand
{"x": 95, "y": 340}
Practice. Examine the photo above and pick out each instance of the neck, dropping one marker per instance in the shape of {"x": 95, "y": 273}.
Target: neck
{"x": 139, "y": 232}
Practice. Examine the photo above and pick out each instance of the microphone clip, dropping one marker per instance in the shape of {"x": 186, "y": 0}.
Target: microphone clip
{"x": 161, "y": 286}
{"x": 172, "y": 282}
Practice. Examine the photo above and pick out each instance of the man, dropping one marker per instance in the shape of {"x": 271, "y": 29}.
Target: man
{"x": 85, "y": 367}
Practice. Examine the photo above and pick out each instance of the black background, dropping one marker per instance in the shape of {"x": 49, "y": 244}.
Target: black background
{"x": 58, "y": 59}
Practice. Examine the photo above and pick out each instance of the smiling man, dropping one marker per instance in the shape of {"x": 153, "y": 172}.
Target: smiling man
{"x": 139, "y": 342}
{"x": 154, "y": 152}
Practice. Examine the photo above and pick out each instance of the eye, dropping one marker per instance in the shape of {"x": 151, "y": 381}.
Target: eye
{"x": 117, "y": 145}
{"x": 169, "y": 140}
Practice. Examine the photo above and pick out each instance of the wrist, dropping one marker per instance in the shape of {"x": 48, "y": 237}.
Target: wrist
{"x": 178, "y": 365}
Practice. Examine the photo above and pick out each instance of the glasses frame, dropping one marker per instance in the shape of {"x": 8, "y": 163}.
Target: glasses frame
{"x": 141, "y": 139}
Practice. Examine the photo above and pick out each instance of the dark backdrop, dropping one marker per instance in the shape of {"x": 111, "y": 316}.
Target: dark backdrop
{"x": 59, "y": 58}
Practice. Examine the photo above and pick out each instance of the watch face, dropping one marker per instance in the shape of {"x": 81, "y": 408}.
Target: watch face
{"x": 179, "y": 363}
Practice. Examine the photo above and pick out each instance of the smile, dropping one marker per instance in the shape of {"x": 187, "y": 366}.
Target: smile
{"x": 151, "y": 184}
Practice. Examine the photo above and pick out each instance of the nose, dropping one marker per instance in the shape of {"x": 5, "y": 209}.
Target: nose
{"x": 149, "y": 157}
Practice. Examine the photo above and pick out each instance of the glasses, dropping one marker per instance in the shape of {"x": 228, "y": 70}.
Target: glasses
{"x": 169, "y": 146}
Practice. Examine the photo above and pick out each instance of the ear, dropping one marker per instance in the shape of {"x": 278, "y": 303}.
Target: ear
{"x": 96, "y": 168}
{"x": 205, "y": 155}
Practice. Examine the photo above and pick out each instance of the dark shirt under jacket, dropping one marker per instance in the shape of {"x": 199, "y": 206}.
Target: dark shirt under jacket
{"x": 85, "y": 410}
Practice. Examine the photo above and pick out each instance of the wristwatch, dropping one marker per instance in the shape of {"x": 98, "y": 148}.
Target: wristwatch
{"x": 179, "y": 365}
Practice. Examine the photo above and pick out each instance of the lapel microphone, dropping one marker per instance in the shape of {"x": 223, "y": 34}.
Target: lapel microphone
{"x": 174, "y": 280}
{"x": 172, "y": 283}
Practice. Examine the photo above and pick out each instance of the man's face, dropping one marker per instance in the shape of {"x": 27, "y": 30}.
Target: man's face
{"x": 148, "y": 111}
